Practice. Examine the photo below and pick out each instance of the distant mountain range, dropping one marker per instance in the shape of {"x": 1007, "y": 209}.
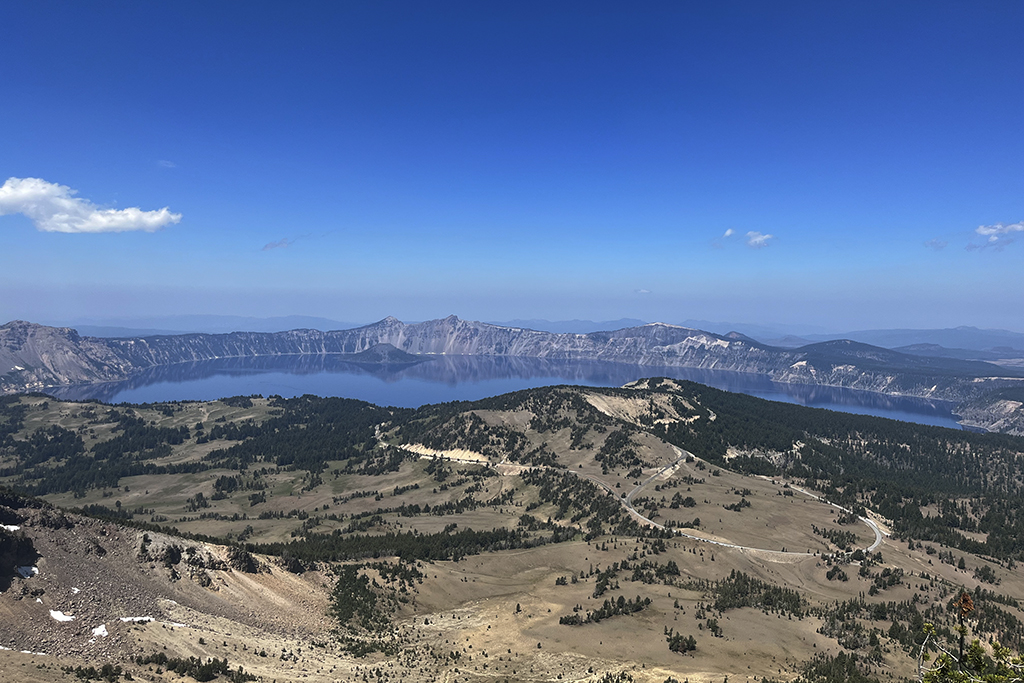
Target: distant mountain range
{"x": 571, "y": 326}
{"x": 969, "y": 338}
{"x": 35, "y": 357}
{"x": 995, "y": 354}
{"x": 209, "y": 324}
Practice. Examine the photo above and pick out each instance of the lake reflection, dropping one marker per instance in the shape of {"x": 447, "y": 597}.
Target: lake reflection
{"x": 458, "y": 378}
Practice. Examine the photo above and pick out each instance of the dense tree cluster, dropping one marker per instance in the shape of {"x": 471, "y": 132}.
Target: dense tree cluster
{"x": 741, "y": 590}
{"x": 309, "y": 432}
{"x": 335, "y": 547}
{"x": 354, "y": 602}
{"x": 842, "y": 539}
{"x": 107, "y": 672}
{"x": 841, "y": 668}
{"x": 12, "y": 419}
{"x": 196, "y": 668}
{"x": 677, "y": 642}
{"x": 54, "y": 459}
{"x": 609, "y": 609}
{"x": 618, "y": 450}
{"x": 136, "y": 436}
{"x": 577, "y": 499}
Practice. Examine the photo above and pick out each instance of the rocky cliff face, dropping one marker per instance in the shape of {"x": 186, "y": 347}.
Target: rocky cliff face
{"x": 997, "y": 411}
{"x": 33, "y": 357}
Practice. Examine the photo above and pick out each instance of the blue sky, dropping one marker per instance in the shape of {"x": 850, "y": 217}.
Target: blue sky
{"x": 515, "y": 160}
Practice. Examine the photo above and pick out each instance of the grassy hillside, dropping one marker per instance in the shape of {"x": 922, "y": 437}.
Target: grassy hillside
{"x": 662, "y": 530}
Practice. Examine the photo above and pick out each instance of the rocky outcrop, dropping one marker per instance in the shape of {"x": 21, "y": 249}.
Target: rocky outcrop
{"x": 997, "y": 411}
{"x": 33, "y": 357}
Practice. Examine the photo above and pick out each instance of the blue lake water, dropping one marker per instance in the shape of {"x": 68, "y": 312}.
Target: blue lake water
{"x": 457, "y": 378}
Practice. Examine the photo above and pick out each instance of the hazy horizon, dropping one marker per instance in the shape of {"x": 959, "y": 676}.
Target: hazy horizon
{"x": 802, "y": 166}
{"x": 219, "y": 324}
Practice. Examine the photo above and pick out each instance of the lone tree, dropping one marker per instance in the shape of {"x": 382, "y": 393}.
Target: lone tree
{"x": 973, "y": 665}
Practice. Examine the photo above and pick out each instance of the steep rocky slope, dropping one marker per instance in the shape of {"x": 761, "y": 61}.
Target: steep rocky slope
{"x": 100, "y": 593}
{"x": 997, "y": 411}
{"x": 35, "y": 356}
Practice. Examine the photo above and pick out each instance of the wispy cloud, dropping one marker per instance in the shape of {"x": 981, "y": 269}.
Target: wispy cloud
{"x": 164, "y": 163}
{"x": 54, "y": 208}
{"x": 718, "y": 243}
{"x": 757, "y": 240}
{"x": 286, "y": 242}
{"x": 936, "y": 244}
{"x": 280, "y": 244}
{"x": 754, "y": 239}
{"x": 643, "y": 291}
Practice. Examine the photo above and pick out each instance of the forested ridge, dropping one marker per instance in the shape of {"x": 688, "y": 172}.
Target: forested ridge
{"x": 972, "y": 482}
{"x": 933, "y": 483}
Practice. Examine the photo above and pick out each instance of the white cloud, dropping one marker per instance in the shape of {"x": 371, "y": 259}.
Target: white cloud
{"x": 163, "y": 163}
{"x": 643, "y": 291}
{"x": 996, "y": 237}
{"x": 998, "y": 231}
{"x": 756, "y": 240}
{"x": 54, "y": 208}
{"x": 936, "y": 244}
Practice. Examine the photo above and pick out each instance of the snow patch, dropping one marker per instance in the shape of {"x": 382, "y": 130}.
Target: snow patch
{"x": 60, "y": 616}
{"x": 75, "y": 591}
{"x": 100, "y": 630}
{"x": 10, "y": 527}
{"x": 28, "y": 572}
{"x": 24, "y": 652}
{"x": 136, "y": 620}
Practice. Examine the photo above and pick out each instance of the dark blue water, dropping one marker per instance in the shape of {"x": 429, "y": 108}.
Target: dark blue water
{"x": 457, "y": 378}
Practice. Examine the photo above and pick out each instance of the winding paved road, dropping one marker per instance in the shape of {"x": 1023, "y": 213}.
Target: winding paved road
{"x": 627, "y": 502}
{"x": 879, "y": 536}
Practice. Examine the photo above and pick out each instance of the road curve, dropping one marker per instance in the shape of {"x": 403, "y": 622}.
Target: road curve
{"x": 879, "y": 535}
{"x": 627, "y": 502}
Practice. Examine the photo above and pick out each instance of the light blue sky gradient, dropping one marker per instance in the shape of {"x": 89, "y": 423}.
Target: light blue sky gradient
{"x": 522, "y": 160}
